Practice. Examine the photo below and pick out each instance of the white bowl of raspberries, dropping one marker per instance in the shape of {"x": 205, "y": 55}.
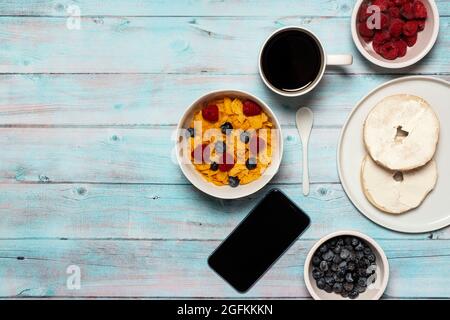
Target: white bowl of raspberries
{"x": 395, "y": 33}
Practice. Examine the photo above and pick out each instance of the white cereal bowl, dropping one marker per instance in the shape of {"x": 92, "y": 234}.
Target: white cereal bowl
{"x": 226, "y": 192}
{"x": 374, "y": 292}
{"x": 425, "y": 40}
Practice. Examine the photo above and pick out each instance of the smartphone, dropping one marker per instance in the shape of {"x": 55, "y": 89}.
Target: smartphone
{"x": 259, "y": 240}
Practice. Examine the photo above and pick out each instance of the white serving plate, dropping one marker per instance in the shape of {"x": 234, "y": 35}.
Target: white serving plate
{"x": 434, "y": 213}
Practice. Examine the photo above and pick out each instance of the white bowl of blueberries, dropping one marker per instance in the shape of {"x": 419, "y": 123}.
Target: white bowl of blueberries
{"x": 346, "y": 265}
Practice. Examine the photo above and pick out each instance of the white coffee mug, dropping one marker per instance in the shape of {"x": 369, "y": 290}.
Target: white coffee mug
{"x": 330, "y": 60}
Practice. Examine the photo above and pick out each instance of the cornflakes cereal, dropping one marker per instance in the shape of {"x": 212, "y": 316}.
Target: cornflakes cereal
{"x": 232, "y": 142}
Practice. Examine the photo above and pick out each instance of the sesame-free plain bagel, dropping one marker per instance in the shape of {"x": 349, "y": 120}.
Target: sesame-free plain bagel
{"x": 401, "y": 132}
{"x": 395, "y": 191}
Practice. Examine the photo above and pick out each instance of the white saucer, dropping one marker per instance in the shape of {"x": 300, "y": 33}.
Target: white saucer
{"x": 434, "y": 213}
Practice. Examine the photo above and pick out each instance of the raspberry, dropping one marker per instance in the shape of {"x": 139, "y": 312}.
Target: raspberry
{"x": 211, "y": 113}
{"x": 364, "y": 31}
{"x": 256, "y": 145}
{"x": 201, "y": 154}
{"x": 420, "y": 24}
{"x": 394, "y": 12}
{"x": 389, "y": 51}
{"x": 420, "y": 11}
{"x": 383, "y": 4}
{"x": 227, "y": 162}
{"x": 376, "y": 47}
{"x": 384, "y": 21}
{"x": 362, "y": 13}
{"x": 251, "y": 108}
{"x": 410, "y": 41}
{"x": 407, "y": 11}
{"x": 399, "y": 3}
{"x": 396, "y": 28}
{"x": 401, "y": 47}
{"x": 410, "y": 28}
{"x": 381, "y": 37}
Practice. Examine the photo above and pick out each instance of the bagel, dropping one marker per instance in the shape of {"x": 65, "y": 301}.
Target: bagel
{"x": 395, "y": 191}
{"x": 401, "y": 132}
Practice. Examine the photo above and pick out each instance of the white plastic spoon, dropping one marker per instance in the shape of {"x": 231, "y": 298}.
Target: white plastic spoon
{"x": 304, "y": 119}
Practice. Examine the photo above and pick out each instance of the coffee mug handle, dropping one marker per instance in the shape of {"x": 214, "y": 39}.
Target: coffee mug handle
{"x": 339, "y": 59}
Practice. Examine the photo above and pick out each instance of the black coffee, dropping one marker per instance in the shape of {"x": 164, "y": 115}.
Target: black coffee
{"x": 291, "y": 60}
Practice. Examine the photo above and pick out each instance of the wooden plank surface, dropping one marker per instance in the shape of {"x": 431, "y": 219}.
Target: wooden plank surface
{"x": 187, "y": 7}
{"x": 179, "y": 269}
{"x": 97, "y": 211}
{"x": 148, "y": 99}
{"x": 187, "y": 45}
{"x": 117, "y": 155}
{"x": 86, "y": 175}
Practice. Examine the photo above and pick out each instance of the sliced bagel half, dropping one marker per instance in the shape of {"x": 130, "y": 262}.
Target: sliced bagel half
{"x": 395, "y": 191}
{"x": 401, "y": 132}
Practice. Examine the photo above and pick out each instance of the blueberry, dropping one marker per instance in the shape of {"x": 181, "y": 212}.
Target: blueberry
{"x": 360, "y": 289}
{"x": 191, "y": 132}
{"x": 250, "y": 163}
{"x": 362, "y": 282}
{"x": 333, "y": 242}
{"x": 323, "y": 248}
{"x": 233, "y": 181}
{"x": 359, "y": 247}
{"x": 362, "y": 272}
{"x": 341, "y": 274}
{"x": 343, "y": 265}
{"x": 348, "y": 240}
{"x": 367, "y": 251}
{"x": 328, "y": 288}
{"x": 344, "y": 294}
{"x": 352, "y": 256}
{"x": 214, "y": 166}
{"x": 337, "y": 249}
{"x": 317, "y": 274}
{"x": 348, "y": 277}
{"x": 363, "y": 263}
{"x": 321, "y": 283}
{"x": 345, "y": 254}
{"x": 323, "y": 266}
{"x": 353, "y": 294}
{"x": 334, "y": 267}
{"x": 226, "y": 128}
{"x": 359, "y": 255}
{"x": 337, "y": 287}
{"x": 329, "y": 281}
{"x": 371, "y": 257}
{"x": 355, "y": 242}
{"x": 220, "y": 147}
{"x": 351, "y": 266}
{"x": 328, "y": 256}
{"x": 245, "y": 137}
{"x": 348, "y": 286}
{"x": 340, "y": 242}
{"x": 316, "y": 261}
{"x": 337, "y": 259}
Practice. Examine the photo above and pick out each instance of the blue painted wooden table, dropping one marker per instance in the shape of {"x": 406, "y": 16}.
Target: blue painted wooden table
{"x": 87, "y": 109}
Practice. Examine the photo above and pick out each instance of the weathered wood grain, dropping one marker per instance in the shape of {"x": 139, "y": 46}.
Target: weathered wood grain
{"x": 164, "y": 212}
{"x": 149, "y": 99}
{"x": 116, "y": 155}
{"x": 187, "y": 7}
{"x": 179, "y": 269}
{"x": 225, "y": 45}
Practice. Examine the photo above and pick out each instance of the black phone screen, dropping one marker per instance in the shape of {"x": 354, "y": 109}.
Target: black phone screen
{"x": 259, "y": 240}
